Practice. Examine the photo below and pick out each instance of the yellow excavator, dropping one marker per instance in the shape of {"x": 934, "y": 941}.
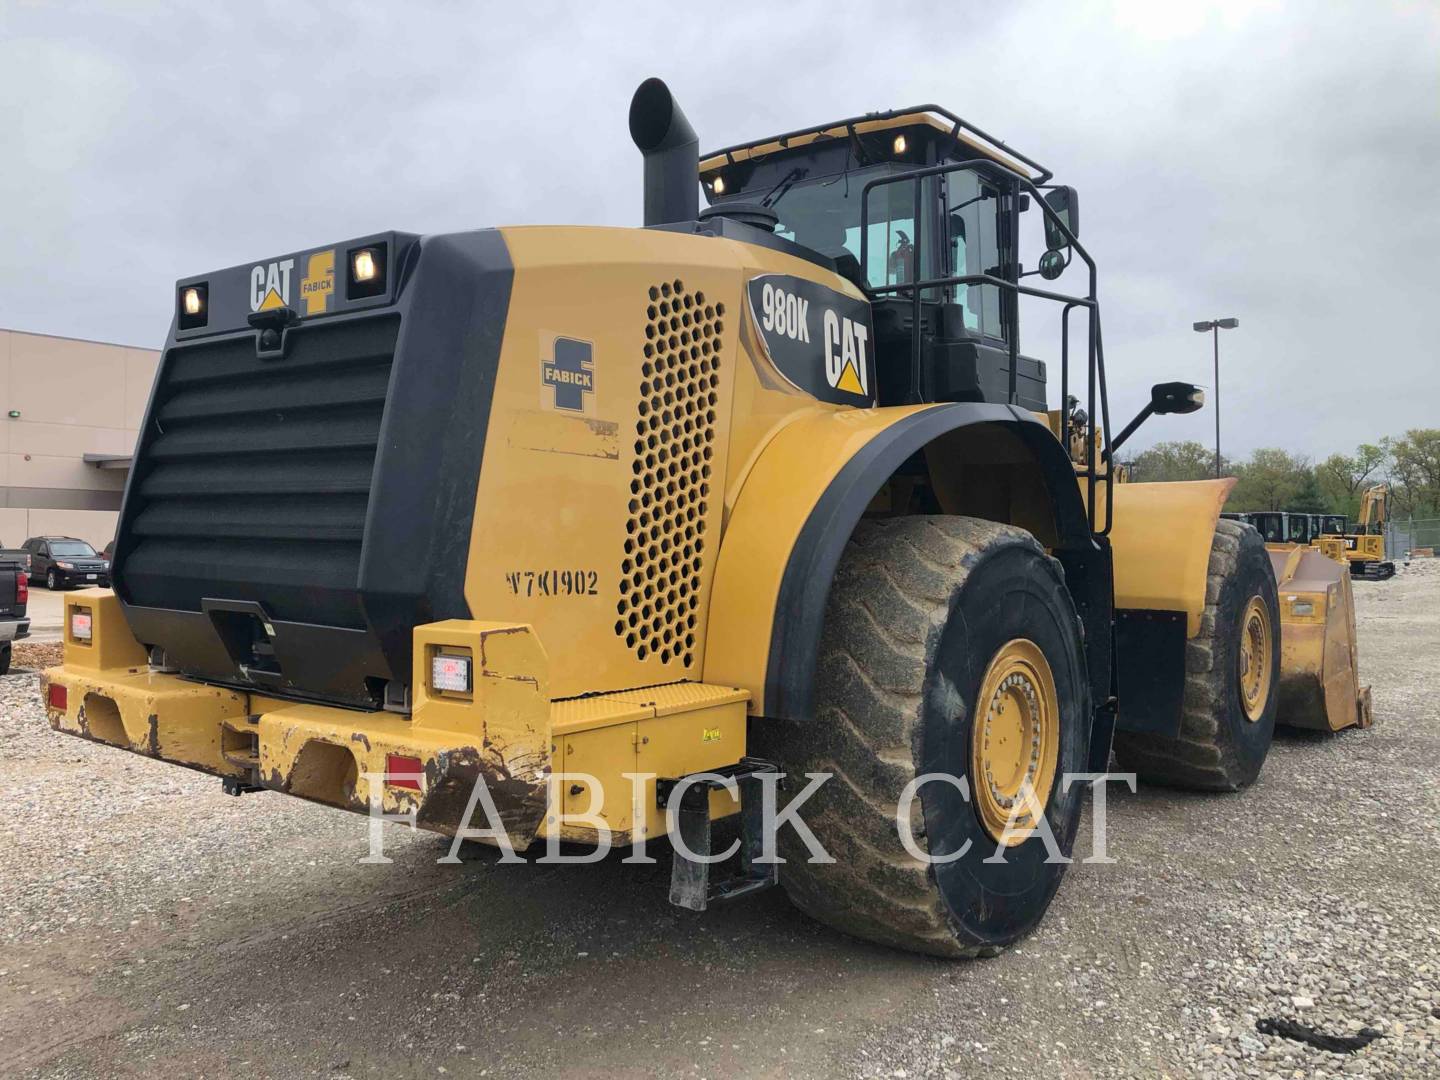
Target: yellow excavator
{"x": 599, "y": 534}
{"x": 1364, "y": 549}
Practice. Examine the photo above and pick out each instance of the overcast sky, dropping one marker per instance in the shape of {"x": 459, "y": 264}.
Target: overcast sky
{"x": 1248, "y": 159}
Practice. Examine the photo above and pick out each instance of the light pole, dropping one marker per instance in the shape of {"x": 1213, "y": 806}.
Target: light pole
{"x": 1214, "y": 326}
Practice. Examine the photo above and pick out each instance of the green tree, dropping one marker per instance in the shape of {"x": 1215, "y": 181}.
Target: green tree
{"x": 1270, "y": 480}
{"x": 1416, "y": 472}
{"x": 1343, "y": 477}
{"x": 1308, "y": 498}
{"x": 1165, "y": 461}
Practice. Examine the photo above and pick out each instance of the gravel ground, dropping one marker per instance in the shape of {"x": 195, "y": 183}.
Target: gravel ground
{"x": 148, "y": 923}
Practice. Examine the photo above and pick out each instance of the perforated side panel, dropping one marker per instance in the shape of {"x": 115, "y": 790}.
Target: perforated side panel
{"x": 674, "y": 443}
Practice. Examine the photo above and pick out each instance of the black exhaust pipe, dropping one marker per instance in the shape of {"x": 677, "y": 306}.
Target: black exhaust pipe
{"x": 672, "y": 155}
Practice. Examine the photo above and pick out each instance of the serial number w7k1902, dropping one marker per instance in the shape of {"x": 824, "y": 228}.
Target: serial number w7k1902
{"x": 553, "y": 582}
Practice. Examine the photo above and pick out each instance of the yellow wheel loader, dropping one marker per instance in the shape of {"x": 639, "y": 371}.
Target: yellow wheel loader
{"x": 753, "y": 515}
{"x": 1320, "y": 685}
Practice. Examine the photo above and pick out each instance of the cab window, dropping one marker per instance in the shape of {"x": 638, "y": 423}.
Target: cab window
{"x": 824, "y": 215}
{"x": 974, "y": 248}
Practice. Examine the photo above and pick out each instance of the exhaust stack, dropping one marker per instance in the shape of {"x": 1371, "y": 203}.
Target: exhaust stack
{"x": 672, "y": 154}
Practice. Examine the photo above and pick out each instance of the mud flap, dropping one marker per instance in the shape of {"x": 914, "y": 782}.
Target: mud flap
{"x": 691, "y": 885}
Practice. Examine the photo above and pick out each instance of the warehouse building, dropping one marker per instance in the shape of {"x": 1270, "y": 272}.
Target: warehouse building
{"x": 72, "y": 412}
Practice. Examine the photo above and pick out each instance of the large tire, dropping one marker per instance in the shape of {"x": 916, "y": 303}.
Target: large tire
{"x": 919, "y": 608}
{"x": 1222, "y": 744}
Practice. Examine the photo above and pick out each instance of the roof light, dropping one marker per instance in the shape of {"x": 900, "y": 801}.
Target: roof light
{"x": 901, "y": 145}
{"x": 194, "y": 302}
{"x": 450, "y": 673}
{"x": 718, "y": 185}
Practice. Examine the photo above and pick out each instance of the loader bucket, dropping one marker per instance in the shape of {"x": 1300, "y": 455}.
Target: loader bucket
{"x": 1319, "y": 682}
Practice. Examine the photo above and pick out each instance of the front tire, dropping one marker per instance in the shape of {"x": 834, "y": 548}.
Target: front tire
{"x": 1232, "y": 674}
{"x": 935, "y": 625}
{"x": 52, "y": 580}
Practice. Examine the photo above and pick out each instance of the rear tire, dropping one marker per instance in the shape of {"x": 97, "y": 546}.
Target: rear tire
{"x": 1222, "y": 743}
{"x": 5, "y": 660}
{"x": 923, "y": 611}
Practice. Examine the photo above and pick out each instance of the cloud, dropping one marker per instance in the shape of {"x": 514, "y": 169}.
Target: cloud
{"x": 1247, "y": 159}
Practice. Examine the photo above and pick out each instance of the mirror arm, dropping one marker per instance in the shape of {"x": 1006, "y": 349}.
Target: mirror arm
{"x": 1140, "y": 418}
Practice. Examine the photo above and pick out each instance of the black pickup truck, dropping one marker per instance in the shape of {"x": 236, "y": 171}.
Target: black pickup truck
{"x": 14, "y": 596}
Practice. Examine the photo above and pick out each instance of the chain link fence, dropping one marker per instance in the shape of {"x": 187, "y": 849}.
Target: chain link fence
{"x": 1410, "y": 534}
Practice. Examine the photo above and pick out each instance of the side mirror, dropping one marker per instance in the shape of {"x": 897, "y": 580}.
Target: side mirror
{"x": 1165, "y": 398}
{"x": 1066, "y": 204}
{"x": 1175, "y": 397}
{"x": 1052, "y": 265}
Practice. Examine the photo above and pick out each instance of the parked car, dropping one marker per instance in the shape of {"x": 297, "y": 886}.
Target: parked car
{"x": 14, "y": 596}
{"x": 63, "y": 561}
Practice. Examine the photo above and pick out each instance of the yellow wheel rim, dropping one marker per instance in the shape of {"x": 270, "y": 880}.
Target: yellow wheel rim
{"x": 1015, "y": 741}
{"x": 1254, "y": 659}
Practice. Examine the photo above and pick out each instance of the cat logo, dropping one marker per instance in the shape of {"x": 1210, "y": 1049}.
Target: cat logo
{"x": 845, "y": 358}
{"x": 270, "y": 285}
{"x": 819, "y": 340}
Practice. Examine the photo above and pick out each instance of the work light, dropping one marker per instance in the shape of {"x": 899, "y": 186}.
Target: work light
{"x": 366, "y": 268}
{"x": 365, "y": 275}
{"x": 193, "y": 306}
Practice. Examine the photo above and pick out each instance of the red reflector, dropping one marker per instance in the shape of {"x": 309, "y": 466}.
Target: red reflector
{"x": 403, "y": 771}
{"x": 57, "y": 697}
{"x": 22, "y": 587}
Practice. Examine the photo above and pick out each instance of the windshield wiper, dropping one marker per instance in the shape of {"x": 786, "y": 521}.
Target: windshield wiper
{"x": 787, "y": 182}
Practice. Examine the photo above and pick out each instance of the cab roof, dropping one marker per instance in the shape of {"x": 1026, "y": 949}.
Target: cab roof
{"x": 942, "y": 120}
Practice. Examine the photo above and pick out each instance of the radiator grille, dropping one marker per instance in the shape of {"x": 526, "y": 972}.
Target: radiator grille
{"x": 674, "y": 443}
{"x": 254, "y": 475}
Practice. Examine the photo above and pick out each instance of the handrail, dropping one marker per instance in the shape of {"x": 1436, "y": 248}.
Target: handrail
{"x": 957, "y": 126}
{"x": 1096, "y": 389}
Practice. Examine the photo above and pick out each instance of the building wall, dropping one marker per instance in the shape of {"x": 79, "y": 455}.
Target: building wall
{"x": 73, "y": 398}
{"x": 17, "y": 525}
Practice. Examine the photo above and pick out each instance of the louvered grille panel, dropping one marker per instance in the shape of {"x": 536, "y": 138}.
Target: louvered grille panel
{"x": 253, "y": 480}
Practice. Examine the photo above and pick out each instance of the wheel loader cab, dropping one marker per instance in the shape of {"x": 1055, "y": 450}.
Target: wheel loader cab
{"x": 844, "y": 192}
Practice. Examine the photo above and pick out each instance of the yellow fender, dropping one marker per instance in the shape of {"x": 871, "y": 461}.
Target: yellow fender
{"x": 809, "y": 486}
{"x": 1161, "y": 538}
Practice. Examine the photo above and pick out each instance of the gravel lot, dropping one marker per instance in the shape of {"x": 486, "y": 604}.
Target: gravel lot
{"x": 149, "y": 923}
